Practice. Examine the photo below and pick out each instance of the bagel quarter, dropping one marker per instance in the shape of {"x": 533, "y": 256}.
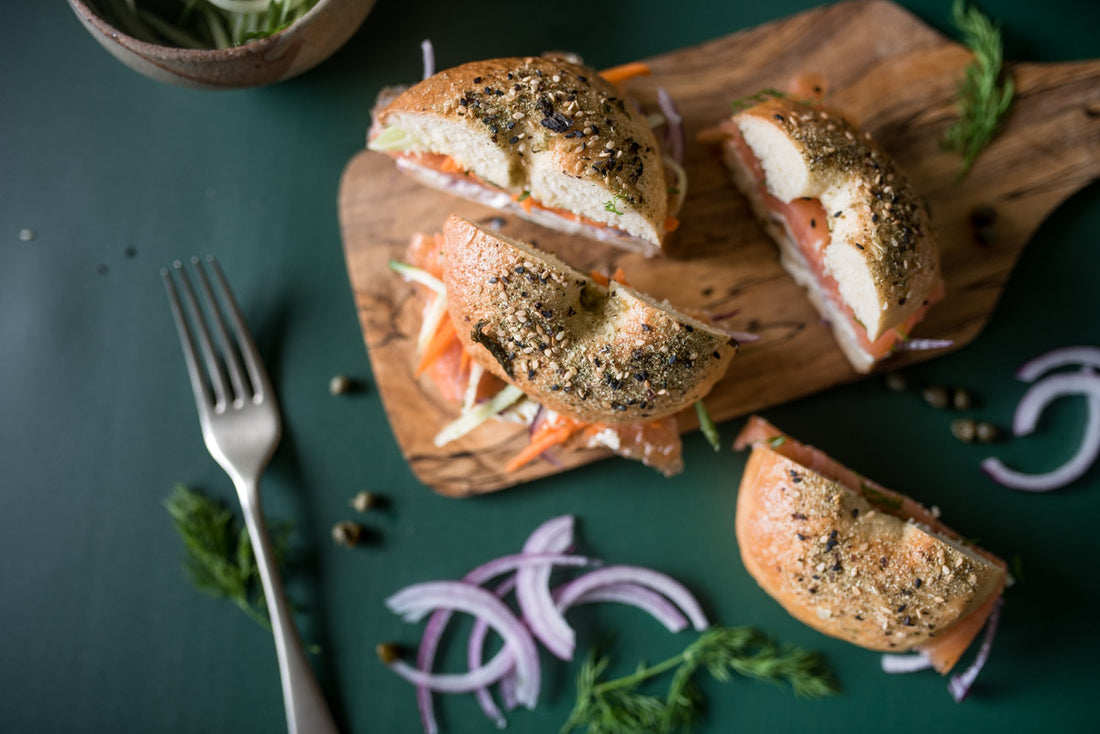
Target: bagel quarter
{"x": 606, "y": 354}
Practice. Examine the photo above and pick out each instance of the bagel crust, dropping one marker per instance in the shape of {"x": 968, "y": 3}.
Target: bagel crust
{"x": 846, "y": 567}
{"x": 882, "y": 249}
{"x": 604, "y": 354}
{"x": 542, "y": 127}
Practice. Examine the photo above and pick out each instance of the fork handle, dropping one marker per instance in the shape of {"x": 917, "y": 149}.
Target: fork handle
{"x": 306, "y": 710}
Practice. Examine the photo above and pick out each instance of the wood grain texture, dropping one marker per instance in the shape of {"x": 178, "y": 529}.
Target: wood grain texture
{"x": 893, "y": 75}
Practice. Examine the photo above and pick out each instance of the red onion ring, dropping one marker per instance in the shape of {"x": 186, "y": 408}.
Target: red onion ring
{"x": 568, "y": 593}
{"x": 428, "y": 53}
{"x": 437, "y": 623}
{"x": 474, "y": 647}
{"x": 960, "y": 684}
{"x": 638, "y": 596}
{"x": 892, "y": 663}
{"x": 922, "y": 345}
{"x": 414, "y": 602}
{"x": 533, "y": 589}
{"x": 1026, "y": 418}
{"x": 674, "y": 136}
{"x": 1081, "y": 356}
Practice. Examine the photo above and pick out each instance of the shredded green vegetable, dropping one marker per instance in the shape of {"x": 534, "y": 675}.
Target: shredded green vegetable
{"x": 202, "y": 24}
{"x": 706, "y": 425}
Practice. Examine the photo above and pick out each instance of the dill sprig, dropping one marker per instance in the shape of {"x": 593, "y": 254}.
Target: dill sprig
{"x": 219, "y": 559}
{"x": 618, "y": 707}
{"x": 984, "y": 93}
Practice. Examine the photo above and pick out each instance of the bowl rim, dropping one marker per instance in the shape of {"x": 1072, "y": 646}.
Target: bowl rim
{"x": 91, "y": 13}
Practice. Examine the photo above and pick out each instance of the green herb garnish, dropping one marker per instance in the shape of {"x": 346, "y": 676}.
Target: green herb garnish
{"x": 202, "y": 24}
{"x": 776, "y": 441}
{"x": 616, "y": 706}
{"x": 879, "y": 498}
{"x": 610, "y": 204}
{"x": 706, "y": 425}
{"x": 219, "y": 558}
{"x": 985, "y": 93}
{"x": 743, "y": 103}
{"x": 524, "y": 195}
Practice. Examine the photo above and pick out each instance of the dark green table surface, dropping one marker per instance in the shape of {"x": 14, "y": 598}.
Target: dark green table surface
{"x": 117, "y": 175}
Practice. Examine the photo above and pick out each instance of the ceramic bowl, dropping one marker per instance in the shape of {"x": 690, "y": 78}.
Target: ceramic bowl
{"x": 291, "y": 51}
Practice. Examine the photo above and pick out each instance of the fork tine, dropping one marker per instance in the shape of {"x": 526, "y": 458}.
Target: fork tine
{"x": 229, "y": 354}
{"x": 256, "y": 372}
{"x": 213, "y": 369}
{"x": 187, "y": 341}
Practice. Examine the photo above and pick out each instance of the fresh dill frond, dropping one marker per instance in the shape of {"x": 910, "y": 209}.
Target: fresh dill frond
{"x": 219, "y": 559}
{"x": 985, "y": 92}
{"x": 618, "y": 706}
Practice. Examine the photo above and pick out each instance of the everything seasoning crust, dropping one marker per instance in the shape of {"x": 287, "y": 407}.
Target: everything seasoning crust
{"x": 848, "y": 568}
{"x": 595, "y": 353}
{"x": 883, "y": 216}
{"x": 535, "y": 105}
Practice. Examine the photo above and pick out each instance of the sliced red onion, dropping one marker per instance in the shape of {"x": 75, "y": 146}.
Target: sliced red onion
{"x": 1080, "y": 356}
{"x": 892, "y": 663}
{"x": 428, "y": 52}
{"x": 638, "y": 596}
{"x": 674, "y": 136}
{"x": 570, "y": 592}
{"x": 467, "y": 682}
{"x": 1045, "y": 391}
{"x": 508, "y": 692}
{"x": 921, "y": 345}
{"x": 744, "y": 337}
{"x": 474, "y": 647}
{"x": 437, "y": 623}
{"x": 414, "y": 602}
{"x": 960, "y": 684}
{"x": 533, "y": 588}
{"x": 1027, "y": 415}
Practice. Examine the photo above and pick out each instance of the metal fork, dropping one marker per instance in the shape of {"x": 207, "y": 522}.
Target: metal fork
{"x": 241, "y": 427}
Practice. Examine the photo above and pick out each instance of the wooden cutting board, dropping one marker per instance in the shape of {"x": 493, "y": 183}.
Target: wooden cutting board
{"x": 893, "y": 75}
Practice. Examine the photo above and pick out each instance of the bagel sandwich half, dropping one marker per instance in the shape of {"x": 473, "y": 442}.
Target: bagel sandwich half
{"x": 850, "y": 228}
{"x": 544, "y": 138}
{"x": 603, "y": 364}
{"x": 855, "y": 560}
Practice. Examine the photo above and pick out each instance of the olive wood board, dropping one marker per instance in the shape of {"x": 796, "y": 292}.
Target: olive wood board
{"x": 891, "y": 74}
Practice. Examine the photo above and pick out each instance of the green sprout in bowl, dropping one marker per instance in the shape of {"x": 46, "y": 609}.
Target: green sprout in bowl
{"x": 202, "y": 24}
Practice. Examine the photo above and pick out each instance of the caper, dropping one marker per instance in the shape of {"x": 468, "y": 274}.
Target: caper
{"x": 897, "y": 382}
{"x": 387, "y": 652}
{"x": 964, "y": 429}
{"x": 936, "y": 396}
{"x": 339, "y": 385}
{"x": 364, "y": 501}
{"x": 987, "y": 432}
{"x": 961, "y": 399}
{"x": 347, "y": 533}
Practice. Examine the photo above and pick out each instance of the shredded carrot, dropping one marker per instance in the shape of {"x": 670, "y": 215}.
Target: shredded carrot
{"x": 524, "y": 201}
{"x": 620, "y": 74}
{"x": 618, "y": 276}
{"x": 464, "y": 361}
{"x": 440, "y": 340}
{"x": 450, "y": 165}
{"x": 672, "y": 224}
{"x": 544, "y": 440}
